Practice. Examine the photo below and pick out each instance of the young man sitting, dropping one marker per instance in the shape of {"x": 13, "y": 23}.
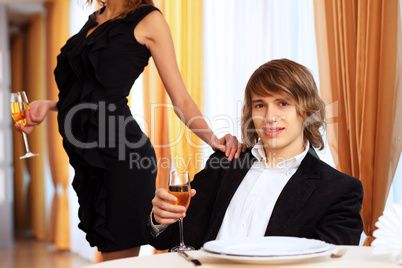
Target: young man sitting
{"x": 279, "y": 186}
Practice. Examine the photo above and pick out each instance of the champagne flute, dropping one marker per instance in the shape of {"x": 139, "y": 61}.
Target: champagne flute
{"x": 179, "y": 186}
{"x": 19, "y": 103}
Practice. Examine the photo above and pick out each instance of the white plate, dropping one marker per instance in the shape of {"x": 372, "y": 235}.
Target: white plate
{"x": 271, "y": 260}
{"x": 269, "y": 246}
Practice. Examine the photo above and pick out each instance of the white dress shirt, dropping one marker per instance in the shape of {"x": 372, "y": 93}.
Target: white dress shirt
{"x": 251, "y": 207}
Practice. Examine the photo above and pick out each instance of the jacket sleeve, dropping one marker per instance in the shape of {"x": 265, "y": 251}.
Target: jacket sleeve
{"x": 342, "y": 224}
{"x": 195, "y": 224}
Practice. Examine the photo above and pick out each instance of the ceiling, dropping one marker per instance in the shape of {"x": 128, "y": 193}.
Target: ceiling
{"x": 19, "y": 11}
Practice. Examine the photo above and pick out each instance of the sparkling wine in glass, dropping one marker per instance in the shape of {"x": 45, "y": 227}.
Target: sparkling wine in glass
{"x": 19, "y": 104}
{"x": 179, "y": 186}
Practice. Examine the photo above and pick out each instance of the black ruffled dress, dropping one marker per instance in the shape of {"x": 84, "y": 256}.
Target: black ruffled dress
{"x": 114, "y": 161}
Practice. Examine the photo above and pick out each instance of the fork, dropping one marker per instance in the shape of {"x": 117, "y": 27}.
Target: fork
{"x": 189, "y": 258}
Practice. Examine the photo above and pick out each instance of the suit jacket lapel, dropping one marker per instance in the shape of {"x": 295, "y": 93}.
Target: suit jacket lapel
{"x": 230, "y": 183}
{"x": 295, "y": 193}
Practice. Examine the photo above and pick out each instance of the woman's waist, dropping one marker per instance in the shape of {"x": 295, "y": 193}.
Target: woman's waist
{"x": 98, "y": 121}
{"x": 107, "y": 106}
{"x": 108, "y": 134}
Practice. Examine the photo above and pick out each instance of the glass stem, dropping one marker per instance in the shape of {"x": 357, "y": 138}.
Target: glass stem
{"x": 181, "y": 232}
{"x": 25, "y": 142}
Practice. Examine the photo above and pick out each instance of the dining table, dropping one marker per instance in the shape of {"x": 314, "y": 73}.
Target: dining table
{"x": 355, "y": 257}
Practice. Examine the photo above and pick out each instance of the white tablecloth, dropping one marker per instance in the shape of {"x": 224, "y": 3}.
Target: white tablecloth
{"x": 355, "y": 257}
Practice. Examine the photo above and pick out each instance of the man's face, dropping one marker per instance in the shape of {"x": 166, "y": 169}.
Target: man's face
{"x": 278, "y": 125}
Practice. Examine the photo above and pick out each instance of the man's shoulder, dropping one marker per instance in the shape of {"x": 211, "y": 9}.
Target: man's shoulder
{"x": 327, "y": 172}
{"x": 326, "y": 168}
{"x": 218, "y": 160}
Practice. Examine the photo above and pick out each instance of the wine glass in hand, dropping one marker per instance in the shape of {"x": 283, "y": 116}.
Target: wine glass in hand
{"x": 19, "y": 103}
{"x": 179, "y": 186}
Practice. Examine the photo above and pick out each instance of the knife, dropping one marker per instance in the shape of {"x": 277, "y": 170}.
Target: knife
{"x": 189, "y": 258}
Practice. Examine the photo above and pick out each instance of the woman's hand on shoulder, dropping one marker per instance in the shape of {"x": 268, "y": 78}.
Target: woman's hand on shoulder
{"x": 230, "y": 145}
{"x": 36, "y": 114}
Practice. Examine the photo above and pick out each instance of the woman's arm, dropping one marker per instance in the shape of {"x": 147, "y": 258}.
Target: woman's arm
{"x": 153, "y": 31}
{"x": 36, "y": 114}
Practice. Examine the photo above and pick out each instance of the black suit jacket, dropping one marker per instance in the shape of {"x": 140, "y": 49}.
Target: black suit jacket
{"x": 317, "y": 202}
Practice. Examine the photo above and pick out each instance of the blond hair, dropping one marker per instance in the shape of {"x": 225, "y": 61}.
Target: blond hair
{"x": 286, "y": 77}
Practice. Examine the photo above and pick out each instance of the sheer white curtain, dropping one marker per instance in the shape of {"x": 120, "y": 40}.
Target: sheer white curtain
{"x": 242, "y": 35}
{"x": 395, "y": 193}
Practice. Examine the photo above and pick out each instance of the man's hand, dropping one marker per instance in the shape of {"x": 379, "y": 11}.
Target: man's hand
{"x": 163, "y": 209}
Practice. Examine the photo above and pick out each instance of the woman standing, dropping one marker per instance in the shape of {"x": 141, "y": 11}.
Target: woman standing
{"x": 95, "y": 72}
